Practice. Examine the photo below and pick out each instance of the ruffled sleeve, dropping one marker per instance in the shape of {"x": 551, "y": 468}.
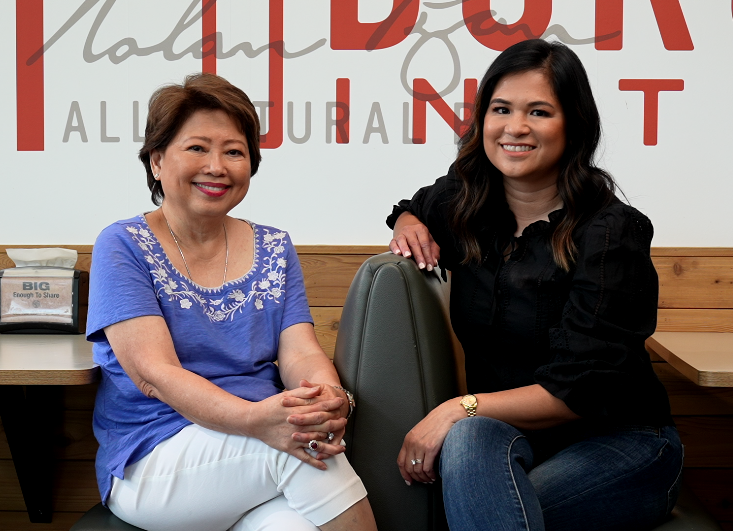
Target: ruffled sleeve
{"x": 599, "y": 365}
{"x": 430, "y": 205}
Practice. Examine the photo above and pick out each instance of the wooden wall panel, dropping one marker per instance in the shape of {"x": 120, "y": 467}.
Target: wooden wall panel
{"x": 695, "y": 282}
{"x": 11, "y": 499}
{"x": 18, "y": 521}
{"x": 75, "y": 487}
{"x": 713, "y": 487}
{"x": 326, "y": 320}
{"x": 708, "y": 441}
{"x": 328, "y": 277}
{"x": 686, "y": 398}
{"x": 694, "y": 320}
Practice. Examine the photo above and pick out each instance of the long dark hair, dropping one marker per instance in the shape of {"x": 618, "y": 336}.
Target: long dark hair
{"x": 583, "y": 187}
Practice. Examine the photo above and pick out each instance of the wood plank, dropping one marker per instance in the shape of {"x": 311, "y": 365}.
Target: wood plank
{"x": 327, "y": 320}
{"x": 714, "y": 488}
{"x": 708, "y": 441}
{"x": 75, "y": 487}
{"x": 328, "y": 277}
{"x": 686, "y": 398}
{"x": 18, "y": 521}
{"x": 75, "y": 439}
{"x": 11, "y": 498}
{"x": 695, "y": 282}
{"x": 308, "y": 249}
{"x": 692, "y": 251}
{"x": 80, "y": 397}
{"x": 694, "y": 320}
{"x": 341, "y": 249}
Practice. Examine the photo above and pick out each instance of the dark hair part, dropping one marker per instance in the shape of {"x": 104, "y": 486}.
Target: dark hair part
{"x": 170, "y": 106}
{"x": 583, "y": 187}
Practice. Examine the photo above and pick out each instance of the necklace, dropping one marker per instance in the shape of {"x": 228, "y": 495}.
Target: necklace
{"x": 226, "y": 245}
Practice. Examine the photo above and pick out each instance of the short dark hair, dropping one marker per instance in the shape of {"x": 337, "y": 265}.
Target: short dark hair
{"x": 583, "y": 187}
{"x": 170, "y": 106}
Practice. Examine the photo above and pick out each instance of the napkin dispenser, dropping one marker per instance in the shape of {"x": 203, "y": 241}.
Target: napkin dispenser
{"x": 44, "y": 294}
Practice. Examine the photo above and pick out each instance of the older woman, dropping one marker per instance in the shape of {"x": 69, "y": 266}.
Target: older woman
{"x": 189, "y": 310}
{"x": 553, "y": 294}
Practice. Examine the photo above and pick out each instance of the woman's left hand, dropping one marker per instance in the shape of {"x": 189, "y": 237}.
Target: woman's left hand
{"x": 325, "y": 392}
{"x": 424, "y": 441}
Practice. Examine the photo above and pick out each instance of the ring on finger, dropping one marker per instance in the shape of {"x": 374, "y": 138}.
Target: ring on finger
{"x": 330, "y": 436}
{"x": 313, "y": 444}
{"x": 416, "y": 462}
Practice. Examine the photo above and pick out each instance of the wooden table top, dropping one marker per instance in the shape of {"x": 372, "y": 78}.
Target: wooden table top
{"x": 46, "y": 359}
{"x": 706, "y": 358}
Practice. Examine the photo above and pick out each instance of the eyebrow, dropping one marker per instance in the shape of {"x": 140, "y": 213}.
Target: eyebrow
{"x": 538, "y": 103}
{"x": 207, "y": 139}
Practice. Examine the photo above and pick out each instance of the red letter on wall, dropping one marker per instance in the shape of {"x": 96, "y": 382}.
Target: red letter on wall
{"x": 670, "y": 19}
{"x": 347, "y": 33}
{"x": 423, "y": 92}
{"x": 343, "y": 103}
{"x": 274, "y": 137}
{"x": 486, "y": 30}
{"x": 29, "y": 78}
{"x": 651, "y": 89}
{"x": 208, "y": 36}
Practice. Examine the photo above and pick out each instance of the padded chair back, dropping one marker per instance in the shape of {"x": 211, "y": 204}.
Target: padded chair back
{"x": 394, "y": 350}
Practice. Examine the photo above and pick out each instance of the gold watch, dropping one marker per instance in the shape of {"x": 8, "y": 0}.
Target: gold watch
{"x": 470, "y": 403}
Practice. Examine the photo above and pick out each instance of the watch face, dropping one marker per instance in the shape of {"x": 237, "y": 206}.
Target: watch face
{"x": 469, "y": 401}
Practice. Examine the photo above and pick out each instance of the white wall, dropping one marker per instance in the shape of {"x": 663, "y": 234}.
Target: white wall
{"x": 331, "y": 193}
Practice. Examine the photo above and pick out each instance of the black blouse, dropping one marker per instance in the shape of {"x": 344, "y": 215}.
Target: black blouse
{"x": 523, "y": 320}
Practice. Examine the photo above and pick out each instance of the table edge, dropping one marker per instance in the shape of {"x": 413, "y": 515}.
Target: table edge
{"x": 50, "y": 376}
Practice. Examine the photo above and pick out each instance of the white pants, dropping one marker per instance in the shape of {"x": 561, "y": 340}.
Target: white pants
{"x": 201, "y": 479}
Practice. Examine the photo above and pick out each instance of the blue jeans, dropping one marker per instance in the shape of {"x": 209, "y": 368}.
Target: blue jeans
{"x": 577, "y": 477}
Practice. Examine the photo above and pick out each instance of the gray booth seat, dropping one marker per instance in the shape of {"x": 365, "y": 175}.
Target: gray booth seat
{"x": 394, "y": 350}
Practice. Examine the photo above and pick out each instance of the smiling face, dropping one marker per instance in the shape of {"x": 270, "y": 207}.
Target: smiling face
{"x": 205, "y": 170}
{"x": 524, "y": 128}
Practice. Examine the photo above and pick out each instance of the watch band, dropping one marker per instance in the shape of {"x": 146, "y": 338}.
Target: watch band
{"x": 470, "y": 403}
{"x": 350, "y": 398}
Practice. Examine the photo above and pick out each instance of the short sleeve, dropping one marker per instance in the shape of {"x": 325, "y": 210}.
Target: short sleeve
{"x": 296, "y": 308}
{"x": 430, "y": 205}
{"x": 599, "y": 365}
{"x": 120, "y": 286}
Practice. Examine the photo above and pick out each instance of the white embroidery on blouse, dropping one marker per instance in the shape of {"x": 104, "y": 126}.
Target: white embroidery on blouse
{"x": 269, "y": 287}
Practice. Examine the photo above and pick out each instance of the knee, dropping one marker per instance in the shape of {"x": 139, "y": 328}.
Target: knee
{"x": 473, "y": 439}
{"x": 471, "y": 432}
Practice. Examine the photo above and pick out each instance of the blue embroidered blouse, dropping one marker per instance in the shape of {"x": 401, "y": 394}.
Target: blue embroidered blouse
{"x": 229, "y": 335}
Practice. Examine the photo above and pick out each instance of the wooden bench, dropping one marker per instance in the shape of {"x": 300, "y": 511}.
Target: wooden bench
{"x": 696, "y": 293}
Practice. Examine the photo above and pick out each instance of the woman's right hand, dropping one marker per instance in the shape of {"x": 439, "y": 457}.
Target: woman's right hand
{"x": 412, "y": 238}
{"x": 268, "y": 422}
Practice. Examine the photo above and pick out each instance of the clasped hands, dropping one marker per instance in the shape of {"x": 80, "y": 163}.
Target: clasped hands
{"x": 308, "y": 413}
